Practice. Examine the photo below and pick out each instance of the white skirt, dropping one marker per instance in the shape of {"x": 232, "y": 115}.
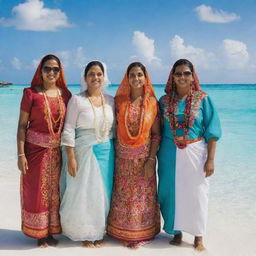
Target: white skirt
{"x": 84, "y": 202}
{"x": 192, "y": 187}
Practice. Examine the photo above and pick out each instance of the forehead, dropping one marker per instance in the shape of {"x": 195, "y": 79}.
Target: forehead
{"x": 136, "y": 70}
{"x": 95, "y": 68}
{"x": 182, "y": 68}
{"x": 51, "y": 63}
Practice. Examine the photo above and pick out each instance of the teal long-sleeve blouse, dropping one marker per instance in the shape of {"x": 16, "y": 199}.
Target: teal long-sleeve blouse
{"x": 206, "y": 120}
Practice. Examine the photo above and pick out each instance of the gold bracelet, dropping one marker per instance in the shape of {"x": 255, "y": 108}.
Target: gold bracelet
{"x": 21, "y": 154}
{"x": 151, "y": 158}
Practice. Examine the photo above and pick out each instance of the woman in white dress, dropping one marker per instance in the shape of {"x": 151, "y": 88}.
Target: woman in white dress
{"x": 88, "y": 160}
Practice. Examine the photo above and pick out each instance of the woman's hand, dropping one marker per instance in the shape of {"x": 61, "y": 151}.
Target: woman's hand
{"x": 149, "y": 167}
{"x": 209, "y": 168}
{"x": 72, "y": 167}
{"x": 23, "y": 164}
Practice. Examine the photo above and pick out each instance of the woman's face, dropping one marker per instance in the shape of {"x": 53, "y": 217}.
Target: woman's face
{"x": 183, "y": 77}
{"x": 136, "y": 78}
{"x": 94, "y": 77}
{"x": 50, "y": 71}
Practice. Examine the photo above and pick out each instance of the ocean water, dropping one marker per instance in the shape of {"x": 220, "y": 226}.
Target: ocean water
{"x": 233, "y": 189}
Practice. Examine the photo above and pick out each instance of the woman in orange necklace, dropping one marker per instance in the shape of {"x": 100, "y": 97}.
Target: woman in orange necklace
{"x": 134, "y": 214}
{"x": 42, "y": 114}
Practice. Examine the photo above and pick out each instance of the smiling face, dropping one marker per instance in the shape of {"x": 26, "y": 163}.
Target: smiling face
{"x": 136, "y": 78}
{"x": 183, "y": 77}
{"x": 94, "y": 77}
{"x": 50, "y": 71}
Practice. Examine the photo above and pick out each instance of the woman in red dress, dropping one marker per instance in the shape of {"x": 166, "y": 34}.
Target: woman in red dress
{"x": 42, "y": 114}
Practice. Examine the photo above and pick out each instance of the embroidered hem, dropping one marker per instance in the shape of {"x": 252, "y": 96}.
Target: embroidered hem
{"x": 133, "y": 235}
{"x": 38, "y": 234}
{"x": 36, "y": 225}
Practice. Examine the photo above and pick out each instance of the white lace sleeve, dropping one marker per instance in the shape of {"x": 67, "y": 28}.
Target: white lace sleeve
{"x": 68, "y": 134}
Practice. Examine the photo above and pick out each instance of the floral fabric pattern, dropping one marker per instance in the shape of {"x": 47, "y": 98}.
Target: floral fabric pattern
{"x": 40, "y": 199}
{"x": 134, "y": 214}
{"x": 195, "y": 106}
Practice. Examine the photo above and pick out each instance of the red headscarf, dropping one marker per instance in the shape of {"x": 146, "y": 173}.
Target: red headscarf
{"x": 170, "y": 85}
{"x": 38, "y": 81}
{"x": 122, "y": 101}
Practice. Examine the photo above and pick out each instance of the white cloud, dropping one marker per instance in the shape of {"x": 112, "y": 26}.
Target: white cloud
{"x": 35, "y": 63}
{"x": 235, "y": 53}
{"x": 16, "y": 63}
{"x": 208, "y": 14}
{"x": 73, "y": 57}
{"x": 198, "y": 56}
{"x": 69, "y": 58}
{"x": 32, "y": 15}
{"x": 79, "y": 58}
{"x": 145, "y": 47}
{"x": 64, "y": 57}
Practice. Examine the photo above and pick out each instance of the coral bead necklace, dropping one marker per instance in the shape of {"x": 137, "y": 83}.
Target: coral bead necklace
{"x": 175, "y": 123}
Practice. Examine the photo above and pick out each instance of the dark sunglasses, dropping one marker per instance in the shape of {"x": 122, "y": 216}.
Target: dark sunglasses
{"x": 47, "y": 69}
{"x": 179, "y": 74}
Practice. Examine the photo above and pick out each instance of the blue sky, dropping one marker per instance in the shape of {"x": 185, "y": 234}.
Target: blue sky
{"x": 218, "y": 36}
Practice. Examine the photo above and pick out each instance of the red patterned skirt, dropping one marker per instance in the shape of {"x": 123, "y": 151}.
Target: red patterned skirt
{"x": 40, "y": 198}
{"x": 134, "y": 213}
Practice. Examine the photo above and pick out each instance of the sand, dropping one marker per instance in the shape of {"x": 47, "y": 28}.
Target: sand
{"x": 230, "y": 232}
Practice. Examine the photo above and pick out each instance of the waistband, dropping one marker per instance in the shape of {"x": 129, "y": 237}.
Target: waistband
{"x": 188, "y": 141}
{"x": 42, "y": 139}
{"x": 132, "y": 153}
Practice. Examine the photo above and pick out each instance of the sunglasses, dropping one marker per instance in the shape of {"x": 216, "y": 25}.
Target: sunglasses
{"x": 47, "y": 69}
{"x": 186, "y": 74}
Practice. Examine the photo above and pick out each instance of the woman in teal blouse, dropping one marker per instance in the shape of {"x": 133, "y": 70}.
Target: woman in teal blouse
{"x": 190, "y": 130}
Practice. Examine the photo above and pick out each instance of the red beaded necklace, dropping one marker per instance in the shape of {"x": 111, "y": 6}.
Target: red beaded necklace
{"x": 174, "y": 122}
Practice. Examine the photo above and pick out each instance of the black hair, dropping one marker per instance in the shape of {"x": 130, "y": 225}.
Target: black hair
{"x": 49, "y": 57}
{"x": 184, "y": 62}
{"x": 136, "y": 64}
{"x": 93, "y": 63}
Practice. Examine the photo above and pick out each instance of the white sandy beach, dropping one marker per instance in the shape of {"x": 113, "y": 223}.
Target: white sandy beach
{"x": 231, "y": 231}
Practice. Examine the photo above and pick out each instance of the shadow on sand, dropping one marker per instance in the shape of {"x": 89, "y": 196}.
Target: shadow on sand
{"x": 16, "y": 240}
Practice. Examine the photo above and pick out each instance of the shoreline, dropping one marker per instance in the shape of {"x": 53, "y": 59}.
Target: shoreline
{"x": 156, "y": 84}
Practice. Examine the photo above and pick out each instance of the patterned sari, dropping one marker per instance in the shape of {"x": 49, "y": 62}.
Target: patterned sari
{"x": 134, "y": 214}
{"x": 40, "y": 185}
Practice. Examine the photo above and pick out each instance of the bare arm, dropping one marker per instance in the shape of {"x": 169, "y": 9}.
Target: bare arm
{"x": 209, "y": 164}
{"x": 150, "y": 164}
{"x": 72, "y": 164}
{"x": 155, "y": 138}
{"x": 21, "y": 134}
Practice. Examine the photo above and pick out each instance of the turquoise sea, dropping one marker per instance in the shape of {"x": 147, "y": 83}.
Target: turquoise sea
{"x": 233, "y": 189}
